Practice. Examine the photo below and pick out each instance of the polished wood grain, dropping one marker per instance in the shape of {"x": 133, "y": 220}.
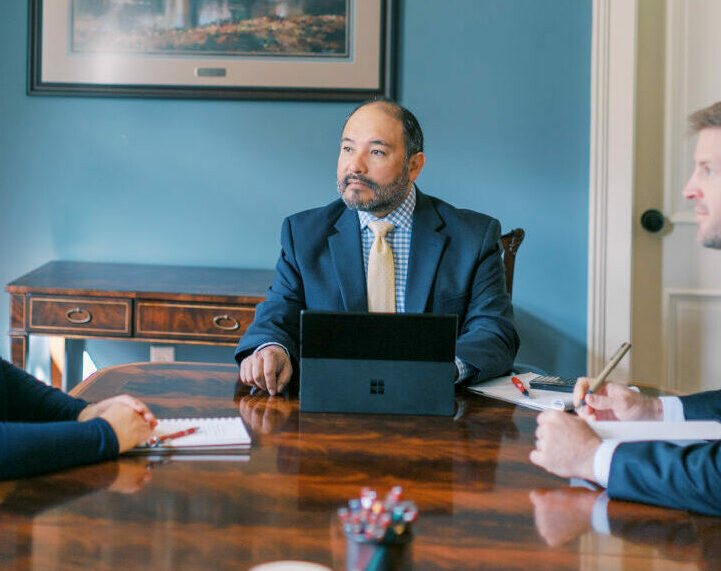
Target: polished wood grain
{"x": 17, "y": 312}
{"x": 18, "y": 334}
{"x": 482, "y": 504}
{"x": 79, "y": 315}
{"x": 221, "y": 323}
{"x": 147, "y": 281}
{"x": 511, "y": 241}
{"x": 18, "y": 349}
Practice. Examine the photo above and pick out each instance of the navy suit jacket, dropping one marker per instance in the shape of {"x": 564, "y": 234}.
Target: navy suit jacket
{"x": 454, "y": 267}
{"x": 682, "y": 477}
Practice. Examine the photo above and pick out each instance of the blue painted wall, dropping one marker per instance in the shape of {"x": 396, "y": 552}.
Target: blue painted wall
{"x": 501, "y": 88}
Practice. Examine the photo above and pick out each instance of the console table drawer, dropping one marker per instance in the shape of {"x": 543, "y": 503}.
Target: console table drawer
{"x": 192, "y": 321}
{"x": 69, "y": 315}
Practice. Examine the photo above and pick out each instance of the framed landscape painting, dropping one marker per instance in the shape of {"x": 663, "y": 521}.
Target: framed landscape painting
{"x": 259, "y": 49}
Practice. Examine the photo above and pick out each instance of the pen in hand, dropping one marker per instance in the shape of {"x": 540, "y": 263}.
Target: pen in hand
{"x": 519, "y": 385}
{"x": 598, "y": 381}
{"x": 157, "y": 440}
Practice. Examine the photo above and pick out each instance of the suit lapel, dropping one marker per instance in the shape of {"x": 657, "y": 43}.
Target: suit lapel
{"x": 347, "y": 254}
{"x": 427, "y": 244}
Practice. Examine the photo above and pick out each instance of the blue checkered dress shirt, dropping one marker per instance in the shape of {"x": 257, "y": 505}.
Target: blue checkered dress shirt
{"x": 399, "y": 239}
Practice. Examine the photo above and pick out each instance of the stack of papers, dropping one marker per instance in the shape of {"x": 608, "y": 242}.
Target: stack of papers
{"x": 682, "y": 433}
{"x": 214, "y": 436}
{"x": 641, "y": 430}
{"x": 504, "y": 389}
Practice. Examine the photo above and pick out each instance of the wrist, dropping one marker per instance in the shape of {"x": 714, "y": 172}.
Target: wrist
{"x": 656, "y": 409}
{"x": 86, "y": 413}
{"x": 271, "y": 344}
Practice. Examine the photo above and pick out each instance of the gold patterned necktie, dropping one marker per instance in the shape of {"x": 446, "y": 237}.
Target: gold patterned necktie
{"x": 381, "y": 271}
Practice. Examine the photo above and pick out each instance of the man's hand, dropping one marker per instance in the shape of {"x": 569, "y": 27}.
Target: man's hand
{"x": 95, "y": 410}
{"x": 565, "y": 445}
{"x": 264, "y": 414}
{"x": 612, "y": 401}
{"x": 269, "y": 369}
{"x": 130, "y": 427}
{"x": 564, "y": 514}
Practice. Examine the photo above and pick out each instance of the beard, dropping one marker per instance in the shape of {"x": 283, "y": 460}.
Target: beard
{"x": 386, "y": 197}
{"x": 710, "y": 237}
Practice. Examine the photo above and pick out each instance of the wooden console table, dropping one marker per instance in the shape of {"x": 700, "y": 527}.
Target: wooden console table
{"x": 166, "y": 304}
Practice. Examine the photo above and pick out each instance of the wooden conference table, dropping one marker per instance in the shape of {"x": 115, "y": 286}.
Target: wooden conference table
{"x": 482, "y": 504}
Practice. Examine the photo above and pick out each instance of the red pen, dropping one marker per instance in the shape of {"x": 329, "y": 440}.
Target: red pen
{"x": 520, "y": 387}
{"x": 156, "y": 440}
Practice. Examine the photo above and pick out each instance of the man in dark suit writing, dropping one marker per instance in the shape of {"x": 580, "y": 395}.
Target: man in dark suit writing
{"x": 384, "y": 246}
{"x": 654, "y": 472}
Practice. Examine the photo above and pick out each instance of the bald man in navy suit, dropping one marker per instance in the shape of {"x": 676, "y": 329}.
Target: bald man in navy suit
{"x": 446, "y": 260}
{"x": 684, "y": 477}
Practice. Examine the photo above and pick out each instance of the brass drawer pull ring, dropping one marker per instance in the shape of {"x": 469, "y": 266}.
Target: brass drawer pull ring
{"x": 220, "y": 318}
{"x": 84, "y": 315}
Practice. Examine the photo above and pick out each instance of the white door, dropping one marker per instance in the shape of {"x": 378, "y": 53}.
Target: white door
{"x": 676, "y": 284}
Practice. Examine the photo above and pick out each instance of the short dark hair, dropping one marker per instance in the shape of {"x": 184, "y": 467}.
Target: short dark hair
{"x": 704, "y": 118}
{"x": 412, "y": 133}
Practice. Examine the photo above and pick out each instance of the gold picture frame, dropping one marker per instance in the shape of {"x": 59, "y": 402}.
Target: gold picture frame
{"x": 264, "y": 49}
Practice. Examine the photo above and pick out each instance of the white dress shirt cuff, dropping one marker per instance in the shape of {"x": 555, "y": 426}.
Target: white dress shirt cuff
{"x": 464, "y": 370}
{"x": 672, "y": 409}
{"x": 602, "y": 461}
{"x": 599, "y": 515}
{"x": 271, "y": 343}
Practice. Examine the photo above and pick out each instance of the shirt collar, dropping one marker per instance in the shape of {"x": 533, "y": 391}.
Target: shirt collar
{"x": 401, "y": 217}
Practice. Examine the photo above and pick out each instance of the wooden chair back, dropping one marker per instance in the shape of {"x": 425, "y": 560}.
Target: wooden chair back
{"x": 511, "y": 241}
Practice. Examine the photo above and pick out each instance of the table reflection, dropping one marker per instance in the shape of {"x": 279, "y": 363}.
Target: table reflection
{"x": 27, "y": 505}
{"x": 565, "y": 514}
{"x": 262, "y": 413}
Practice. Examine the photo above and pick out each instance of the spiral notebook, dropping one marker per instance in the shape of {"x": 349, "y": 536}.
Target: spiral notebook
{"x": 214, "y": 436}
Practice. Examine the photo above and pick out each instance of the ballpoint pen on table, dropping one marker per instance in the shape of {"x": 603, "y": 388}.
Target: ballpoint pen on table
{"x": 519, "y": 385}
{"x": 157, "y": 440}
{"x": 617, "y": 356}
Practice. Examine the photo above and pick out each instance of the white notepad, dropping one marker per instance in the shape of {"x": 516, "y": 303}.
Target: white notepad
{"x": 640, "y": 430}
{"x": 503, "y": 388}
{"x": 215, "y": 436}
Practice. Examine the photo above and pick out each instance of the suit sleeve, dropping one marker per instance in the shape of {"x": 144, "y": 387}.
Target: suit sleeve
{"x": 488, "y": 339}
{"x": 702, "y": 406}
{"x": 277, "y": 319}
{"x": 665, "y": 474}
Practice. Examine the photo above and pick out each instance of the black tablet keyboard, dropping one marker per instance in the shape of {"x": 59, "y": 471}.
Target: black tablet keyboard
{"x": 562, "y": 384}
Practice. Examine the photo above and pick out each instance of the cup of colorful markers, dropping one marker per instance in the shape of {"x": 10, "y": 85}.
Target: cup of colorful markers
{"x": 378, "y": 531}
{"x": 370, "y": 519}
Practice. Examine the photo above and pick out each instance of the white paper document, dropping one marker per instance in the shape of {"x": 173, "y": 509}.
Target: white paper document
{"x": 634, "y": 431}
{"x": 503, "y": 388}
{"x": 214, "y": 436}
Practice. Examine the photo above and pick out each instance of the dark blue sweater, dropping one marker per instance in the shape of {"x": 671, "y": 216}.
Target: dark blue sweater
{"x": 39, "y": 431}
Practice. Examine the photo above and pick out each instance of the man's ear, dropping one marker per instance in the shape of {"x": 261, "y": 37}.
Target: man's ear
{"x": 415, "y": 165}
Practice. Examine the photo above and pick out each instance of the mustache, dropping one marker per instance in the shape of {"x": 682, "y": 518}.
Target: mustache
{"x": 359, "y": 178}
